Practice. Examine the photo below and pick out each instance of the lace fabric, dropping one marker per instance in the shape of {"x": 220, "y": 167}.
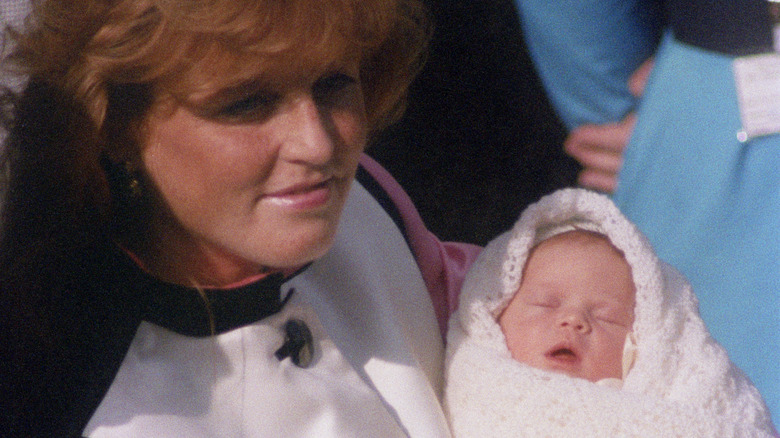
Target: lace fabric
{"x": 681, "y": 382}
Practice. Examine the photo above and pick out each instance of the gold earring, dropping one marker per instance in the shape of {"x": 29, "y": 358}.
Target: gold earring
{"x": 134, "y": 189}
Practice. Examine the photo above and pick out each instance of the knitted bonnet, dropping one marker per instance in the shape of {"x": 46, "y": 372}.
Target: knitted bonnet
{"x": 680, "y": 373}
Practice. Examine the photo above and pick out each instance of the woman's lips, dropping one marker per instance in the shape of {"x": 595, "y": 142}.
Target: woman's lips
{"x": 302, "y": 196}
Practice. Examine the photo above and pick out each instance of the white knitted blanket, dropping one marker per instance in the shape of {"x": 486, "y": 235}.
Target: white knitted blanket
{"x": 681, "y": 384}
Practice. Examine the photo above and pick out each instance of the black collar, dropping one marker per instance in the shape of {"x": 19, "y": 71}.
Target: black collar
{"x": 97, "y": 319}
{"x": 201, "y": 312}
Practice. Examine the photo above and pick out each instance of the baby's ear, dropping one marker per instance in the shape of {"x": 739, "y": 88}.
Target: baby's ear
{"x": 629, "y": 353}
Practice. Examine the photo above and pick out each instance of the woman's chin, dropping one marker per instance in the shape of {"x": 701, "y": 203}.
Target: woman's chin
{"x": 303, "y": 249}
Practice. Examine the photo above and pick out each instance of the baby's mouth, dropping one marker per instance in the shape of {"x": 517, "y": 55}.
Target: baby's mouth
{"x": 563, "y": 354}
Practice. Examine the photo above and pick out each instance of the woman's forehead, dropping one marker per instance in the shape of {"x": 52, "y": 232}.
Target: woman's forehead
{"x": 225, "y": 71}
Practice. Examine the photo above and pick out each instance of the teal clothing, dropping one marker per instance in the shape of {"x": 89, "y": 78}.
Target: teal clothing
{"x": 709, "y": 204}
{"x": 584, "y": 68}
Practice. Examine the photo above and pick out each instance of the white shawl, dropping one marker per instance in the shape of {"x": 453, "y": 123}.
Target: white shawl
{"x": 681, "y": 384}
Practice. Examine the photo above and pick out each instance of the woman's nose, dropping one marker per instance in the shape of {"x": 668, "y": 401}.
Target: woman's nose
{"x": 311, "y": 134}
{"x": 574, "y": 319}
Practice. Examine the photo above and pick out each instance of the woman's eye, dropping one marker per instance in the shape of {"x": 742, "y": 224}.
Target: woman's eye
{"x": 329, "y": 89}
{"x": 254, "y": 106}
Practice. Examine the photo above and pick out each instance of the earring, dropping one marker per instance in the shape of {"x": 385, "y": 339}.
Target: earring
{"x": 124, "y": 182}
{"x": 134, "y": 189}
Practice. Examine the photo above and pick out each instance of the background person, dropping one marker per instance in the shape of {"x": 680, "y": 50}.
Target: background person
{"x": 708, "y": 202}
{"x": 479, "y": 140}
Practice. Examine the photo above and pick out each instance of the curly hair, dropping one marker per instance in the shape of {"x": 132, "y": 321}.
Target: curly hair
{"x": 88, "y": 47}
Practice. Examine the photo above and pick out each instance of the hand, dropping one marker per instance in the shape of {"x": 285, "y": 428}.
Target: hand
{"x": 638, "y": 79}
{"x": 599, "y": 148}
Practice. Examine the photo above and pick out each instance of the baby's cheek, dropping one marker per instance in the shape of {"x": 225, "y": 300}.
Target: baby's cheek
{"x": 614, "y": 344}
{"x": 518, "y": 331}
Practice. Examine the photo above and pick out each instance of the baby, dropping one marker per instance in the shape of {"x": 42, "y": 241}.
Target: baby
{"x": 574, "y": 309}
{"x": 569, "y": 325}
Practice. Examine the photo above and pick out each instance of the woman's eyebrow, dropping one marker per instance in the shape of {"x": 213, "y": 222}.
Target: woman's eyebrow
{"x": 235, "y": 91}
{"x": 216, "y": 101}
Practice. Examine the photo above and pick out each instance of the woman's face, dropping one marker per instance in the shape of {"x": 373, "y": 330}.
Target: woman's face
{"x": 254, "y": 177}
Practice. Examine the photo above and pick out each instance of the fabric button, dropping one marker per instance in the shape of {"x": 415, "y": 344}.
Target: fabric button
{"x": 298, "y": 344}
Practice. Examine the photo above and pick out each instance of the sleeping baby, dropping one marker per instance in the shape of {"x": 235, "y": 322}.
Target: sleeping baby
{"x": 574, "y": 309}
{"x": 569, "y": 325}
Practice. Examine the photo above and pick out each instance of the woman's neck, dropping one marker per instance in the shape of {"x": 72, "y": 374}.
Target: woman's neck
{"x": 174, "y": 258}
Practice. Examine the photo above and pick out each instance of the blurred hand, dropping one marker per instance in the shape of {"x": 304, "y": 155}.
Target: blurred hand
{"x": 599, "y": 148}
{"x": 638, "y": 79}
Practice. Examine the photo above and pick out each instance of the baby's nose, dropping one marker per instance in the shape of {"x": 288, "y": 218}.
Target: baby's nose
{"x": 574, "y": 320}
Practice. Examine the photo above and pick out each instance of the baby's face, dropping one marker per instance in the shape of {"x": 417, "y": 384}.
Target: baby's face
{"x": 574, "y": 308}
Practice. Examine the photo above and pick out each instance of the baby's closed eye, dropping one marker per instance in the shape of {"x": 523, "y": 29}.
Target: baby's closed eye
{"x": 540, "y": 303}
{"x": 613, "y": 315}
{"x": 542, "y": 300}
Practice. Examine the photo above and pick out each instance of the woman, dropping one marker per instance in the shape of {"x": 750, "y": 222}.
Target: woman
{"x": 183, "y": 250}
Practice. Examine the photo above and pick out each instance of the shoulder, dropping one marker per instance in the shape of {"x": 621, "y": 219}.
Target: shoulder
{"x": 442, "y": 264}
{"x": 60, "y": 360}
